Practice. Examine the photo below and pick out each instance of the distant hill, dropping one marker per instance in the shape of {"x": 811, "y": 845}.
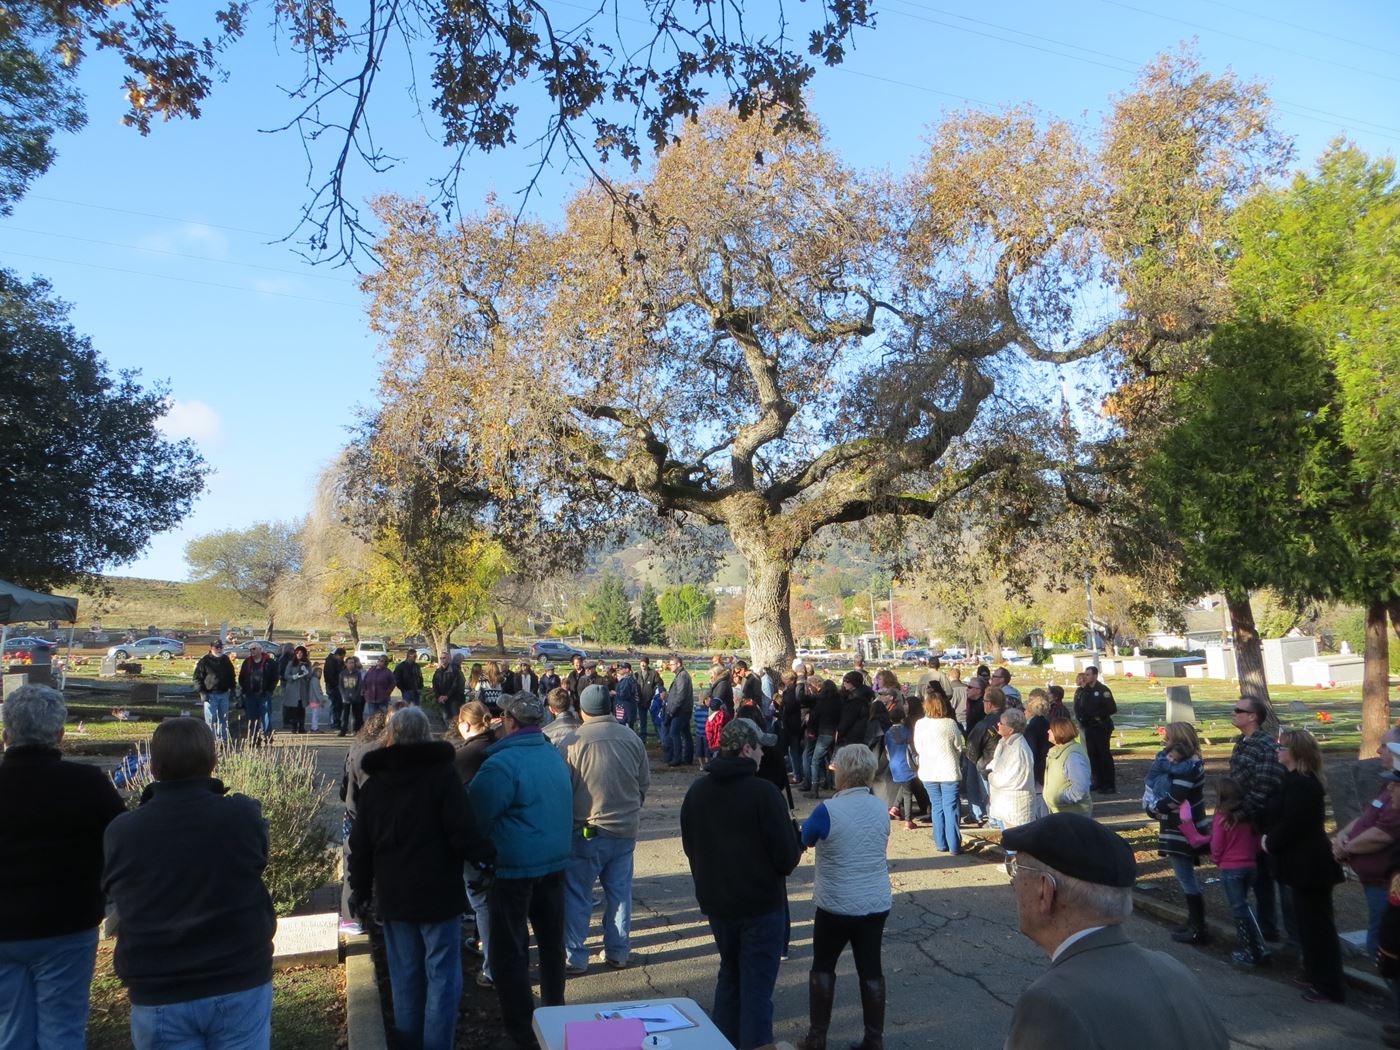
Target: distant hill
{"x": 140, "y": 603}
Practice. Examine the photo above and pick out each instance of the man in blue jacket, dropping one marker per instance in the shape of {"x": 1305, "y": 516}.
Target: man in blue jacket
{"x": 523, "y": 798}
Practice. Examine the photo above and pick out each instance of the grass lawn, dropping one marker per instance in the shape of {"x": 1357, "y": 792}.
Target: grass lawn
{"x": 308, "y": 1008}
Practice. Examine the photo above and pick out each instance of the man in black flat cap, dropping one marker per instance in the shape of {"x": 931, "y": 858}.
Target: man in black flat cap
{"x": 1073, "y": 880}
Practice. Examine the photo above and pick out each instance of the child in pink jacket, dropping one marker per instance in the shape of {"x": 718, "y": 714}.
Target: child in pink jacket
{"x": 1234, "y": 843}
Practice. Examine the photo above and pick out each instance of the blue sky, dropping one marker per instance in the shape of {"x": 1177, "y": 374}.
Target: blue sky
{"x": 162, "y": 244}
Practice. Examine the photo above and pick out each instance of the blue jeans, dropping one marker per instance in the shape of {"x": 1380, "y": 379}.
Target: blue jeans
{"x": 679, "y": 744}
{"x": 702, "y": 745}
{"x": 626, "y": 712}
{"x": 815, "y": 757}
{"x": 797, "y": 767}
{"x": 257, "y": 711}
{"x": 44, "y": 986}
{"x": 1377, "y": 900}
{"x": 1185, "y": 870}
{"x": 425, "y": 975}
{"x": 1237, "y": 882}
{"x": 607, "y": 859}
{"x": 943, "y": 813}
{"x": 237, "y": 1021}
{"x": 216, "y": 714}
{"x": 410, "y": 696}
{"x": 482, "y": 909}
{"x": 373, "y": 709}
{"x": 749, "y": 955}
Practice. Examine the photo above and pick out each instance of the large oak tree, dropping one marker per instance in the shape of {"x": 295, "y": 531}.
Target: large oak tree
{"x": 757, "y": 336}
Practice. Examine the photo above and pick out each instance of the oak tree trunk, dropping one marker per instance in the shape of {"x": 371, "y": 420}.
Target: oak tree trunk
{"x": 767, "y": 610}
{"x": 1249, "y": 653}
{"x": 270, "y": 620}
{"x": 1375, "y": 683}
{"x": 500, "y": 634}
{"x": 353, "y": 622}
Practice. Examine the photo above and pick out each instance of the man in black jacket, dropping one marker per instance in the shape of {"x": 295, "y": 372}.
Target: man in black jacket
{"x": 408, "y": 676}
{"x": 822, "y": 723}
{"x": 195, "y": 922}
{"x": 413, "y": 830}
{"x": 856, "y": 698}
{"x": 214, "y": 679}
{"x": 52, "y": 816}
{"x": 1095, "y": 707}
{"x": 257, "y": 679}
{"x": 678, "y": 744}
{"x": 742, "y": 847}
{"x": 450, "y": 686}
{"x": 331, "y": 671}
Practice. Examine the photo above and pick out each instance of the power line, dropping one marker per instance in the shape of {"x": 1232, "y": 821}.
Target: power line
{"x": 174, "y": 254}
{"x": 1302, "y": 28}
{"x": 1251, "y": 40}
{"x": 153, "y": 215}
{"x": 181, "y": 280}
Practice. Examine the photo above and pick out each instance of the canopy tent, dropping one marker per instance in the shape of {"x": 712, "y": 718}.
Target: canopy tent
{"x": 18, "y": 605}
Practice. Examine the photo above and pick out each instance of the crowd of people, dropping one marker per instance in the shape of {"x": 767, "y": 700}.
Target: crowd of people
{"x": 532, "y": 804}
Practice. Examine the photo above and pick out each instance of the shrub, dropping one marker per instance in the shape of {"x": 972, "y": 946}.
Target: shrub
{"x": 286, "y": 782}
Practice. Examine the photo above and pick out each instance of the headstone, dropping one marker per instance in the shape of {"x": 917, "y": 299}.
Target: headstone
{"x": 11, "y": 682}
{"x": 306, "y": 940}
{"x": 109, "y": 667}
{"x": 1179, "y": 705}
{"x": 1280, "y": 653}
{"x": 144, "y": 693}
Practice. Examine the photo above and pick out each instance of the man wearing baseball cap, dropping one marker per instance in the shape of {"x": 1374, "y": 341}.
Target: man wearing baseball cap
{"x": 610, "y": 773}
{"x": 1073, "y": 880}
{"x": 524, "y": 804}
{"x": 742, "y": 847}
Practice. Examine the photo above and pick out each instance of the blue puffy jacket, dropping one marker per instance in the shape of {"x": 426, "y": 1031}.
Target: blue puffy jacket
{"x": 524, "y": 801}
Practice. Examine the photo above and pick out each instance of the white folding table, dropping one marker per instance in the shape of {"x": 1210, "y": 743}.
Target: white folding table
{"x": 550, "y": 1020}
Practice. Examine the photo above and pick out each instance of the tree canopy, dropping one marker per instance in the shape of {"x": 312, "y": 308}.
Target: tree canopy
{"x": 86, "y": 476}
{"x": 615, "y": 76}
{"x": 759, "y": 337}
{"x": 238, "y": 567}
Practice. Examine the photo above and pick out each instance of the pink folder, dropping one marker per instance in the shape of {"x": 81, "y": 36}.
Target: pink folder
{"x": 617, "y": 1034}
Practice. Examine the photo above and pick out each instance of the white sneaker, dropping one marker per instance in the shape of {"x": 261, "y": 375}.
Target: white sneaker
{"x": 351, "y": 928}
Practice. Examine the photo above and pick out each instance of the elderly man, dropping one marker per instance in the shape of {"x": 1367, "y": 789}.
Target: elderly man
{"x": 610, "y": 773}
{"x": 742, "y": 847}
{"x": 214, "y": 680}
{"x": 1073, "y": 880}
{"x": 52, "y": 817}
{"x": 195, "y": 922}
{"x": 378, "y": 687}
{"x": 258, "y": 678}
{"x": 1001, "y": 678}
{"x": 523, "y": 798}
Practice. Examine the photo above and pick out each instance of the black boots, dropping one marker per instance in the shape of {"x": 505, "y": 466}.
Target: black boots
{"x": 821, "y": 992}
{"x": 1251, "y": 951}
{"x": 1195, "y": 931}
{"x": 872, "y": 1006}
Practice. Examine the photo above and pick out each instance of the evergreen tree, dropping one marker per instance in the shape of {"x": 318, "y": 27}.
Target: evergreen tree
{"x": 651, "y": 629}
{"x": 612, "y": 616}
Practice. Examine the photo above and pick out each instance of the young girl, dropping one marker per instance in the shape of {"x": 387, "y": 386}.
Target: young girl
{"x": 897, "y": 747}
{"x": 1234, "y": 843}
{"x": 317, "y": 698}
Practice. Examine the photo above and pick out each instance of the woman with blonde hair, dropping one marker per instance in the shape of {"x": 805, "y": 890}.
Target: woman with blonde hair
{"x": 489, "y": 688}
{"x": 1294, "y": 836}
{"x": 1067, "y": 774}
{"x": 851, "y": 832}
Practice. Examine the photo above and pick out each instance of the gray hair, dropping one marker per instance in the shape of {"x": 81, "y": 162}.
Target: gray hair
{"x": 409, "y": 725}
{"x": 855, "y": 765}
{"x": 1107, "y": 904}
{"x": 34, "y": 716}
{"x": 1014, "y": 718}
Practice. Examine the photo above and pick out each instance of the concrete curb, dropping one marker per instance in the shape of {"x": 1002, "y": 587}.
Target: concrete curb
{"x": 364, "y": 1015}
{"x": 1219, "y": 929}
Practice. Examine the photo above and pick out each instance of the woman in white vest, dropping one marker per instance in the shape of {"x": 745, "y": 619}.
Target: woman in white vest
{"x": 851, "y": 831}
{"x": 1011, "y": 774}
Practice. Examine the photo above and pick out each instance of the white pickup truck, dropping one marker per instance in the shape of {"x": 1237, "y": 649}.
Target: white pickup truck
{"x": 368, "y": 652}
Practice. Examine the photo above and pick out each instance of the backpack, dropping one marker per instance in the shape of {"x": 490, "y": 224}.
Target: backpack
{"x": 714, "y": 726}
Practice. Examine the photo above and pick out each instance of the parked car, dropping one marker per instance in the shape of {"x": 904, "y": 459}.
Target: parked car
{"x": 243, "y": 650}
{"x": 369, "y": 651}
{"x": 549, "y": 649}
{"x": 145, "y": 648}
{"x": 27, "y": 645}
{"x": 915, "y": 654}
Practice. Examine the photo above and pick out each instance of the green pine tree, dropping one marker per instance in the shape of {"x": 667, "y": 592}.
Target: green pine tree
{"x": 651, "y": 629}
{"x": 612, "y": 616}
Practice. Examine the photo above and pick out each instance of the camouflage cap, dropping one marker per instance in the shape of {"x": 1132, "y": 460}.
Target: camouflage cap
{"x": 743, "y": 731}
{"x": 526, "y": 708}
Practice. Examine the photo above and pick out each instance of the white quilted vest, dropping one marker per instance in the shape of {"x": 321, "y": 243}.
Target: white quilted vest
{"x": 853, "y": 876}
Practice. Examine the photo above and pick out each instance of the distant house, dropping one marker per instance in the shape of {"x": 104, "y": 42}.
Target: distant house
{"x": 732, "y": 590}
{"x": 1203, "y": 627}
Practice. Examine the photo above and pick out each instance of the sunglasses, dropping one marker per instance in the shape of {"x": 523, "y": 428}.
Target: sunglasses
{"x": 1243, "y": 711}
